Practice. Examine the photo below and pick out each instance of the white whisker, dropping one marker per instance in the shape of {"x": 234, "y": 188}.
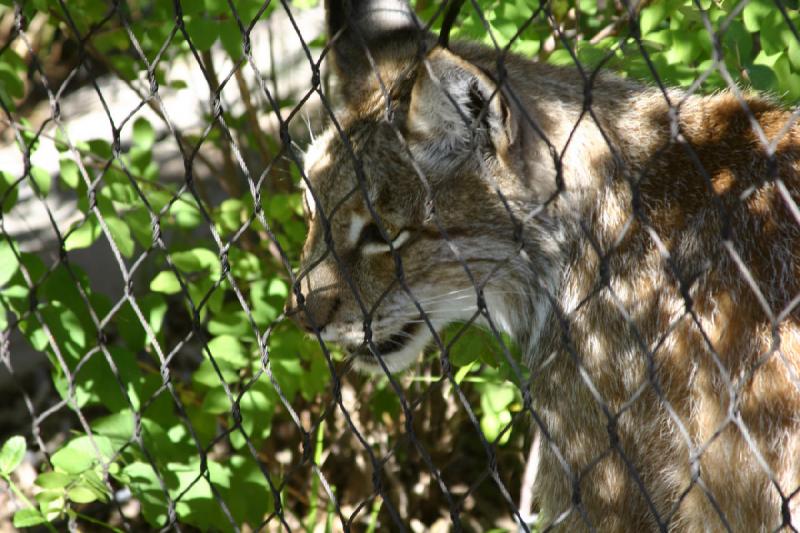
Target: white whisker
{"x": 446, "y": 295}
{"x": 308, "y": 126}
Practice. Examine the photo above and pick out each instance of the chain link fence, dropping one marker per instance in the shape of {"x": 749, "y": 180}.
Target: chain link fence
{"x": 189, "y": 279}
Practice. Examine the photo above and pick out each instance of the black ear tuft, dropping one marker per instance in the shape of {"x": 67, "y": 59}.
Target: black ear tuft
{"x": 370, "y": 18}
{"x": 457, "y": 110}
{"x": 338, "y": 13}
{"x": 476, "y": 103}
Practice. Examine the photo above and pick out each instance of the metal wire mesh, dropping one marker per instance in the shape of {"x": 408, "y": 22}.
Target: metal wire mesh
{"x": 287, "y": 491}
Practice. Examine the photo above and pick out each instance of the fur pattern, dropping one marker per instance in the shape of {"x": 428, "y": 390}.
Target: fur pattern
{"x": 645, "y": 253}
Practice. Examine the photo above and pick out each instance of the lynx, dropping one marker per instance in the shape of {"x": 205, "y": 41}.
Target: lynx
{"x": 642, "y": 246}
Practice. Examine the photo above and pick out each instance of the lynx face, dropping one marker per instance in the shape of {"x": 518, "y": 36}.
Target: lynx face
{"x": 386, "y": 264}
{"x": 421, "y": 192}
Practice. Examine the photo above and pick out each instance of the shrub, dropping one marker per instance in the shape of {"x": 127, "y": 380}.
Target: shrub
{"x": 186, "y": 387}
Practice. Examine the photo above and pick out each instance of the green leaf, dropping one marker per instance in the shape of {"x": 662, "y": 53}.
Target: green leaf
{"x": 316, "y": 379}
{"x": 738, "y": 43}
{"x": 119, "y": 426}
{"x": 146, "y": 486}
{"x": 144, "y": 136}
{"x": 11, "y": 454}
{"x": 165, "y": 282}
{"x": 111, "y": 41}
{"x": 268, "y": 298}
{"x": 288, "y": 373}
{"x": 493, "y": 424}
{"x": 42, "y": 178}
{"x": 158, "y": 199}
{"x": 84, "y": 235}
{"x": 207, "y": 375}
{"x": 257, "y": 407}
{"x": 281, "y": 207}
{"x": 197, "y": 260}
{"x": 28, "y": 517}
{"x": 230, "y": 321}
{"x": 384, "y": 400}
{"x": 100, "y": 147}
{"x": 8, "y": 262}
{"x": 53, "y": 480}
{"x": 121, "y": 234}
{"x": 590, "y": 56}
{"x": 95, "y": 383}
{"x": 11, "y": 81}
{"x": 231, "y": 38}
{"x": 195, "y": 506}
{"x": 247, "y": 478}
{"x": 70, "y": 173}
{"x": 463, "y": 371}
{"x": 762, "y": 77}
{"x": 228, "y": 348}
{"x": 138, "y": 220}
{"x": 770, "y": 33}
{"x": 68, "y": 334}
{"x": 651, "y": 16}
{"x": 187, "y": 214}
{"x": 526, "y": 47}
{"x": 73, "y": 460}
{"x": 216, "y": 401}
{"x": 51, "y": 504}
{"x": 9, "y": 191}
{"x": 82, "y": 494}
{"x": 788, "y": 81}
{"x": 244, "y": 264}
{"x": 203, "y": 32}
{"x": 248, "y": 9}
{"x": 473, "y": 345}
{"x": 278, "y": 287}
{"x": 755, "y": 12}
{"x": 684, "y": 47}
{"x": 794, "y": 54}
{"x": 561, "y": 57}
{"x": 120, "y": 193}
{"x": 588, "y": 7}
{"x": 92, "y": 479}
{"x": 142, "y": 163}
{"x": 81, "y": 453}
{"x": 496, "y": 398}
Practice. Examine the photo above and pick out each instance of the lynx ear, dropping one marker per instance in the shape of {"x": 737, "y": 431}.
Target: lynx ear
{"x": 456, "y": 109}
{"x": 372, "y": 38}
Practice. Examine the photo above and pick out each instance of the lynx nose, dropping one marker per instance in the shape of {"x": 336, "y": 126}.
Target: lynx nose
{"x": 314, "y": 311}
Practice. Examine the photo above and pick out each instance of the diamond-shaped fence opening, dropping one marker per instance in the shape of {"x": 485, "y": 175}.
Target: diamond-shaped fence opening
{"x": 230, "y": 227}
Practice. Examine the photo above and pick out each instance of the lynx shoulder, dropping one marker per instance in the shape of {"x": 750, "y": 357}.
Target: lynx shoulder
{"x": 643, "y": 246}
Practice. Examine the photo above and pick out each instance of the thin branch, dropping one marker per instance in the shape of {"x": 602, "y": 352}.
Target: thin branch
{"x": 609, "y": 30}
{"x": 262, "y": 142}
{"x": 227, "y": 177}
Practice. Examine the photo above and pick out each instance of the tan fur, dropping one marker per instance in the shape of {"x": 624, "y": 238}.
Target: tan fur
{"x": 668, "y": 376}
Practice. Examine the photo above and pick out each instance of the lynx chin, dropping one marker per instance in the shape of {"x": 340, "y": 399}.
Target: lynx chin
{"x": 643, "y": 247}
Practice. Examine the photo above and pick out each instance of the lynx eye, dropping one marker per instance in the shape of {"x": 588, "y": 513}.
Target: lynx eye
{"x": 371, "y": 242}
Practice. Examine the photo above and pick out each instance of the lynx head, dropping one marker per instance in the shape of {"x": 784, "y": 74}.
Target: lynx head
{"x": 407, "y": 225}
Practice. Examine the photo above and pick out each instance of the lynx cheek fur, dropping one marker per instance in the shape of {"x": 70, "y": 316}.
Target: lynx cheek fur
{"x": 657, "y": 281}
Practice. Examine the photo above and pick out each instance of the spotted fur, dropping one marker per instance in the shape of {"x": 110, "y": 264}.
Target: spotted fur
{"x": 643, "y": 248}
